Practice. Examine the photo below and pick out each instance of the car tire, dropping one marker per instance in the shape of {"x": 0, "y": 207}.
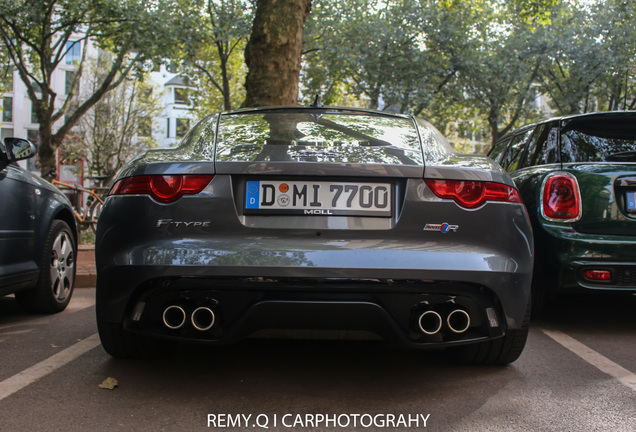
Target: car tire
{"x": 501, "y": 351}
{"x": 122, "y": 344}
{"x": 54, "y": 288}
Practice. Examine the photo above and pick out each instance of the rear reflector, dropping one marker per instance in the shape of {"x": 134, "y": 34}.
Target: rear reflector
{"x": 472, "y": 194}
{"x": 561, "y": 198}
{"x": 163, "y": 188}
{"x": 597, "y": 275}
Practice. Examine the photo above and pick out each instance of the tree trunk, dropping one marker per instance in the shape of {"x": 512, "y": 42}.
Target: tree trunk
{"x": 273, "y": 53}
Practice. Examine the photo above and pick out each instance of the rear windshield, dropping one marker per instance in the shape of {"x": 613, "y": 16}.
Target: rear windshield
{"x": 602, "y": 140}
{"x": 317, "y": 137}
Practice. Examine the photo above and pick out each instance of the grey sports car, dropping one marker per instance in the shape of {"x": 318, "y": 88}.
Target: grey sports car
{"x": 302, "y": 220}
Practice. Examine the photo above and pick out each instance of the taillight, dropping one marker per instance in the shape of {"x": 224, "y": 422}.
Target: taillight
{"x": 598, "y": 275}
{"x": 472, "y": 194}
{"x": 163, "y": 188}
{"x": 561, "y": 198}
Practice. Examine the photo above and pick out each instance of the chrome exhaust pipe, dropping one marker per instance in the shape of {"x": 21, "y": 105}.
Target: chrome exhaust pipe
{"x": 458, "y": 321}
{"x": 430, "y": 322}
{"x": 203, "y": 318}
{"x": 174, "y": 317}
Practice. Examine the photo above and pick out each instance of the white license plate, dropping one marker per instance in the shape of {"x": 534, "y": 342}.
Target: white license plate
{"x": 318, "y": 198}
{"x": 631, "y": 201}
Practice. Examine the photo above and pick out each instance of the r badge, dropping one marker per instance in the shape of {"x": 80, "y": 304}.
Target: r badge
{"x": 443, "y": 228}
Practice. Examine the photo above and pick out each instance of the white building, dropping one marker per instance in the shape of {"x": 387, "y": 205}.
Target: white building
{"x": 177, "y": 116}
{"x": 18, "y": 119}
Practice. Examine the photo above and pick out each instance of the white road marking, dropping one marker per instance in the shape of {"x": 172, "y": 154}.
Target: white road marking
{"x": 600, "y": 362}
{"x": 29, "y": 376}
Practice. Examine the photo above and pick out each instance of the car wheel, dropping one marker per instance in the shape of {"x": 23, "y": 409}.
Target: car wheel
{"x": 54, "y": 288}
{"x": 126, "y": 345}
{"x": 499, "y": 351}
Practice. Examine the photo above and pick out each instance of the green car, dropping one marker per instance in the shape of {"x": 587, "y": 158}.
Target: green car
{"x": 577, "y": 177}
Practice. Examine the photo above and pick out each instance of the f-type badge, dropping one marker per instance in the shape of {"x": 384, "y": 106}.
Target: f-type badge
{"x": 443, "y": 228}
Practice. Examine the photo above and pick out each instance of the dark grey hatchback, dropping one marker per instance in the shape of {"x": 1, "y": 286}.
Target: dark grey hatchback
{"x": 38, "y": 237}
{"x": 314, "y": 219}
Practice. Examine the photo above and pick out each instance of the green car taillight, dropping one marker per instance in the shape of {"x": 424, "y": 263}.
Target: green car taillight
{"x": 561, "y": 198}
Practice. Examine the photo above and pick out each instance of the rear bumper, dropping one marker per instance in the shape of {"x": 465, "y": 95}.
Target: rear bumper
{"x": 570, "y": 254}
{"x": 242, "y": 307}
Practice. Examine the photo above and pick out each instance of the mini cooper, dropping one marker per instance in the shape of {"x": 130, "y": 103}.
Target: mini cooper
{"x": 577, "y": 177}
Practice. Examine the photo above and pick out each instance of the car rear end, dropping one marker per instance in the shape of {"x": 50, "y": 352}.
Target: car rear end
{"x": 588, "y": 228}
{"x": 314, "y": 220}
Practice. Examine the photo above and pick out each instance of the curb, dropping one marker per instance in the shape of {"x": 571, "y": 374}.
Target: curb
{"x": 86, "y": 273}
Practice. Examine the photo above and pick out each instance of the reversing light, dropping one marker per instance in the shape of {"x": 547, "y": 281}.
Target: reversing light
{"x": 598, "y": 275}
{"x": 472, "y": 194}
{"x": 561, "y": 198}
{"x": 163, "y": 188}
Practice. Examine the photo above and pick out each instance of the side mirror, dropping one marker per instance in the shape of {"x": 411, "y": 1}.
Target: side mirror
{"x": 19, "y": 148}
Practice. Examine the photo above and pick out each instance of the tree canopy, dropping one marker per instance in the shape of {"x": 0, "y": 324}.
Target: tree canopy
{"x": 475, "y": 68}
{"x": 42, "y": 35}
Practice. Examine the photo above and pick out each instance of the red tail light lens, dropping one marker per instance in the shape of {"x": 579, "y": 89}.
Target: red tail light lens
{"x": 472, "y": 194}
{"x": 561, "y": 199}
{"x": 598, "y": 275}
{"x": 163, "y": 188}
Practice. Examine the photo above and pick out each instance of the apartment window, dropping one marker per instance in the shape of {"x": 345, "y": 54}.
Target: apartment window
{"x": 171, "y": 67}
{"x": 33, "y": 136}
{"x": 168, "y": 127}
{"x": 68, "y": 84}
{"x": 183, "y": 125}
{"x": 73, "y": 52}
{"x": 181, "y": 96}
{"x": 36, "y": 87}
{"x": 7, "y": 109}
{"x": 5, "y": 133}
{"x": 34, "y": 114}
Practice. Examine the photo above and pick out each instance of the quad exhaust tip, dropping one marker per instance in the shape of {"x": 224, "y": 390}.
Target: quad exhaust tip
{"x": 430, "y": 322}
{"x": 175, "y": 317}
{"x": 203, "y": 318}
{"x": 458, "y": 321}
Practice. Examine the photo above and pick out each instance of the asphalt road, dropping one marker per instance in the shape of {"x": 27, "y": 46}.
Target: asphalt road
{"x": 578, "y": 373}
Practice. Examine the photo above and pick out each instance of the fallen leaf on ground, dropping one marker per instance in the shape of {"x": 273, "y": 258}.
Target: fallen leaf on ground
{"x": 109, "y": 384}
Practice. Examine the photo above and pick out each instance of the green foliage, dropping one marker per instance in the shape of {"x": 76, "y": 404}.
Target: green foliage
{"x": 37, "y": 35}
{"x": 211, "y": 54}
{"x": 471, "y": 66}
{"x": 474, "y": 67}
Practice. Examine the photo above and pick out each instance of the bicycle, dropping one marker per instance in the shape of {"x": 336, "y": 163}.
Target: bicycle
{"x": 86, "y": 217}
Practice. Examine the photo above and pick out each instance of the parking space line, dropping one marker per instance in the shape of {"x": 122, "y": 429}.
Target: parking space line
{"x": 30, "y": 375}
{"x": 594, "y": 358}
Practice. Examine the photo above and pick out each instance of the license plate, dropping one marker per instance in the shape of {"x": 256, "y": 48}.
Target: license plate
{"x": 318, "y": 198}
{"x": 631, "y": 201}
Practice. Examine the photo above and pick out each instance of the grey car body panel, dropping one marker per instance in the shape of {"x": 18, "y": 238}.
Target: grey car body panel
{"x": 29, "y": 204}
{"x": 208, "y": 236}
